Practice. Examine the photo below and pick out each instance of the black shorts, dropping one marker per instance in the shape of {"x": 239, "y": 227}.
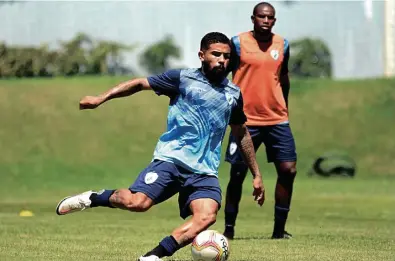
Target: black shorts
{"x": 278, "y": 140}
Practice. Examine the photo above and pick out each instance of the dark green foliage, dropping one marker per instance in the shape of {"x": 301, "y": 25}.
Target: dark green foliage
{"x": 310, "y": 58}
{"x": 79, "y": 56}
{"x": 156, "y": 58}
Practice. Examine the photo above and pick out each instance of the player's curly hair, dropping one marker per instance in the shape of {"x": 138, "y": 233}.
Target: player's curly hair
{"x": 212, "y": 38}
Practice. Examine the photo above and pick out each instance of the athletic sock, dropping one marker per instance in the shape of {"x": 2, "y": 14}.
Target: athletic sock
{"x": 230, "y": 215}
{"x": 101, "y": 198}
{"x": 229, "y": 230}
{"x": 280, "y": 218}
{"x": 284, "y": 190}
{"x": 167, "y": 247}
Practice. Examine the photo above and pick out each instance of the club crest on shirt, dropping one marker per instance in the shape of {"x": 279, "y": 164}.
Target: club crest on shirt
{"x": 150, "y": 177}
{"x": 232, "y": 148}
{"x": 275, "y": 54}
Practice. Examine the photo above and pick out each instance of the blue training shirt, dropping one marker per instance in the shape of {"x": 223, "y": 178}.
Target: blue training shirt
{"x": 199, "y": 114}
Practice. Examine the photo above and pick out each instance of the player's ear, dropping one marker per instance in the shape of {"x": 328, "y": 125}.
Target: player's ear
{"x": 274, "y": 21}
{"x": 252, "y": 19}
{"x": 201, "y": 55}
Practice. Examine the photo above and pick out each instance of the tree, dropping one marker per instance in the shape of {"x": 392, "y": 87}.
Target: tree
{"x": 310, "y": 58}
{"x": 80, "y": 55}
{"x": 17, "y": 61}
{"x": 72, "y": 57}
{"x": 105, "y": 57}
{"x": 156, "y": 58}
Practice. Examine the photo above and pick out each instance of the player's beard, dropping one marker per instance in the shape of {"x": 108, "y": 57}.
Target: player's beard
{"x": 216, "y": 74}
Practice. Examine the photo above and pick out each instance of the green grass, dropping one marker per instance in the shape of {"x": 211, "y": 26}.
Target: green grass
{"x": 330, "y": 219}
{"x": 50, "y": 149}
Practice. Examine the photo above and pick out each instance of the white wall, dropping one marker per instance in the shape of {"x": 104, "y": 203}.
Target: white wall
{"x": 356, "y": 44}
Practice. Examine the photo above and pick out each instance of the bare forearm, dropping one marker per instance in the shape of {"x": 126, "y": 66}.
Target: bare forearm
{"x": 247, "y": 149}
{"x": 123, "y": 89}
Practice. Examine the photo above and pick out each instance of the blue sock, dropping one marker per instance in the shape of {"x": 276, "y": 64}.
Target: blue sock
{"x": 167, "y": 247}
{"x": 102, "y": 198}
{"x": 280, "y": 217}
{"x": 170, "y": 245}
{"x": 230, "y": 214}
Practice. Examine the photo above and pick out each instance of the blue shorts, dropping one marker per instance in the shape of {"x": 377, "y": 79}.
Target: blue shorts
{"x": 161, "y": 180}
{"x": 278, "y": 140}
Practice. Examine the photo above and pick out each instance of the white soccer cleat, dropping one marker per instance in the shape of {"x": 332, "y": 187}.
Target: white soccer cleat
{"x": 149, "y": 258}
{"x": 75, "y": 203}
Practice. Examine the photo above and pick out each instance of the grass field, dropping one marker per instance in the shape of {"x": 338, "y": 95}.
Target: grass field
{"x": 49, "y": 149}
{"x": 331, "y": 220}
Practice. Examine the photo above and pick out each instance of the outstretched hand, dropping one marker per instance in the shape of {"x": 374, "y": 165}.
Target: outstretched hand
{"x": 259, "y": 190}
{"x": 90, "y": 102}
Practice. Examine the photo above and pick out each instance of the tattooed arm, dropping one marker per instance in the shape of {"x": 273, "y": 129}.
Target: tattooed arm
{"x": 246, "y": 147}
{"x": 244, "y": 142}
{"x": 243, "y": 139}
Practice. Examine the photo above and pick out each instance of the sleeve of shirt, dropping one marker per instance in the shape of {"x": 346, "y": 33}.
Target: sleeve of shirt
{"x": 284, "y": 67}
{"x": 167, "y": 83}
{"x": 237, "y": 116}
{"x": 235, "y": 53}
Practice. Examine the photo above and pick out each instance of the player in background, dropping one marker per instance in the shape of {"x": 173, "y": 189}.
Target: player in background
{"x": 260, "y": 68}
{"x": 187, "y": 156}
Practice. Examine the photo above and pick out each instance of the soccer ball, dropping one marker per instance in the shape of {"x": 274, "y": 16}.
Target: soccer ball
{"x": 210, "y": 245}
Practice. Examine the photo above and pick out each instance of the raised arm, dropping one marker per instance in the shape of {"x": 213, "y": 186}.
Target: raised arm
{"x": 126, "y": 89}
{"x": 121, "y": 90}
{"x": 163, "y": 84}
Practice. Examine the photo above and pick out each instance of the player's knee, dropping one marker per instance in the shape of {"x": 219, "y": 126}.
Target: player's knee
{"x": 291, "y": 171}
{"x": 288, "y": 169}
{"x": 238, "y": 173}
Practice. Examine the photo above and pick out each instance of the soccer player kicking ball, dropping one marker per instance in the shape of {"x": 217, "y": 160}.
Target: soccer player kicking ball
{"x": 186, "y": 159}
